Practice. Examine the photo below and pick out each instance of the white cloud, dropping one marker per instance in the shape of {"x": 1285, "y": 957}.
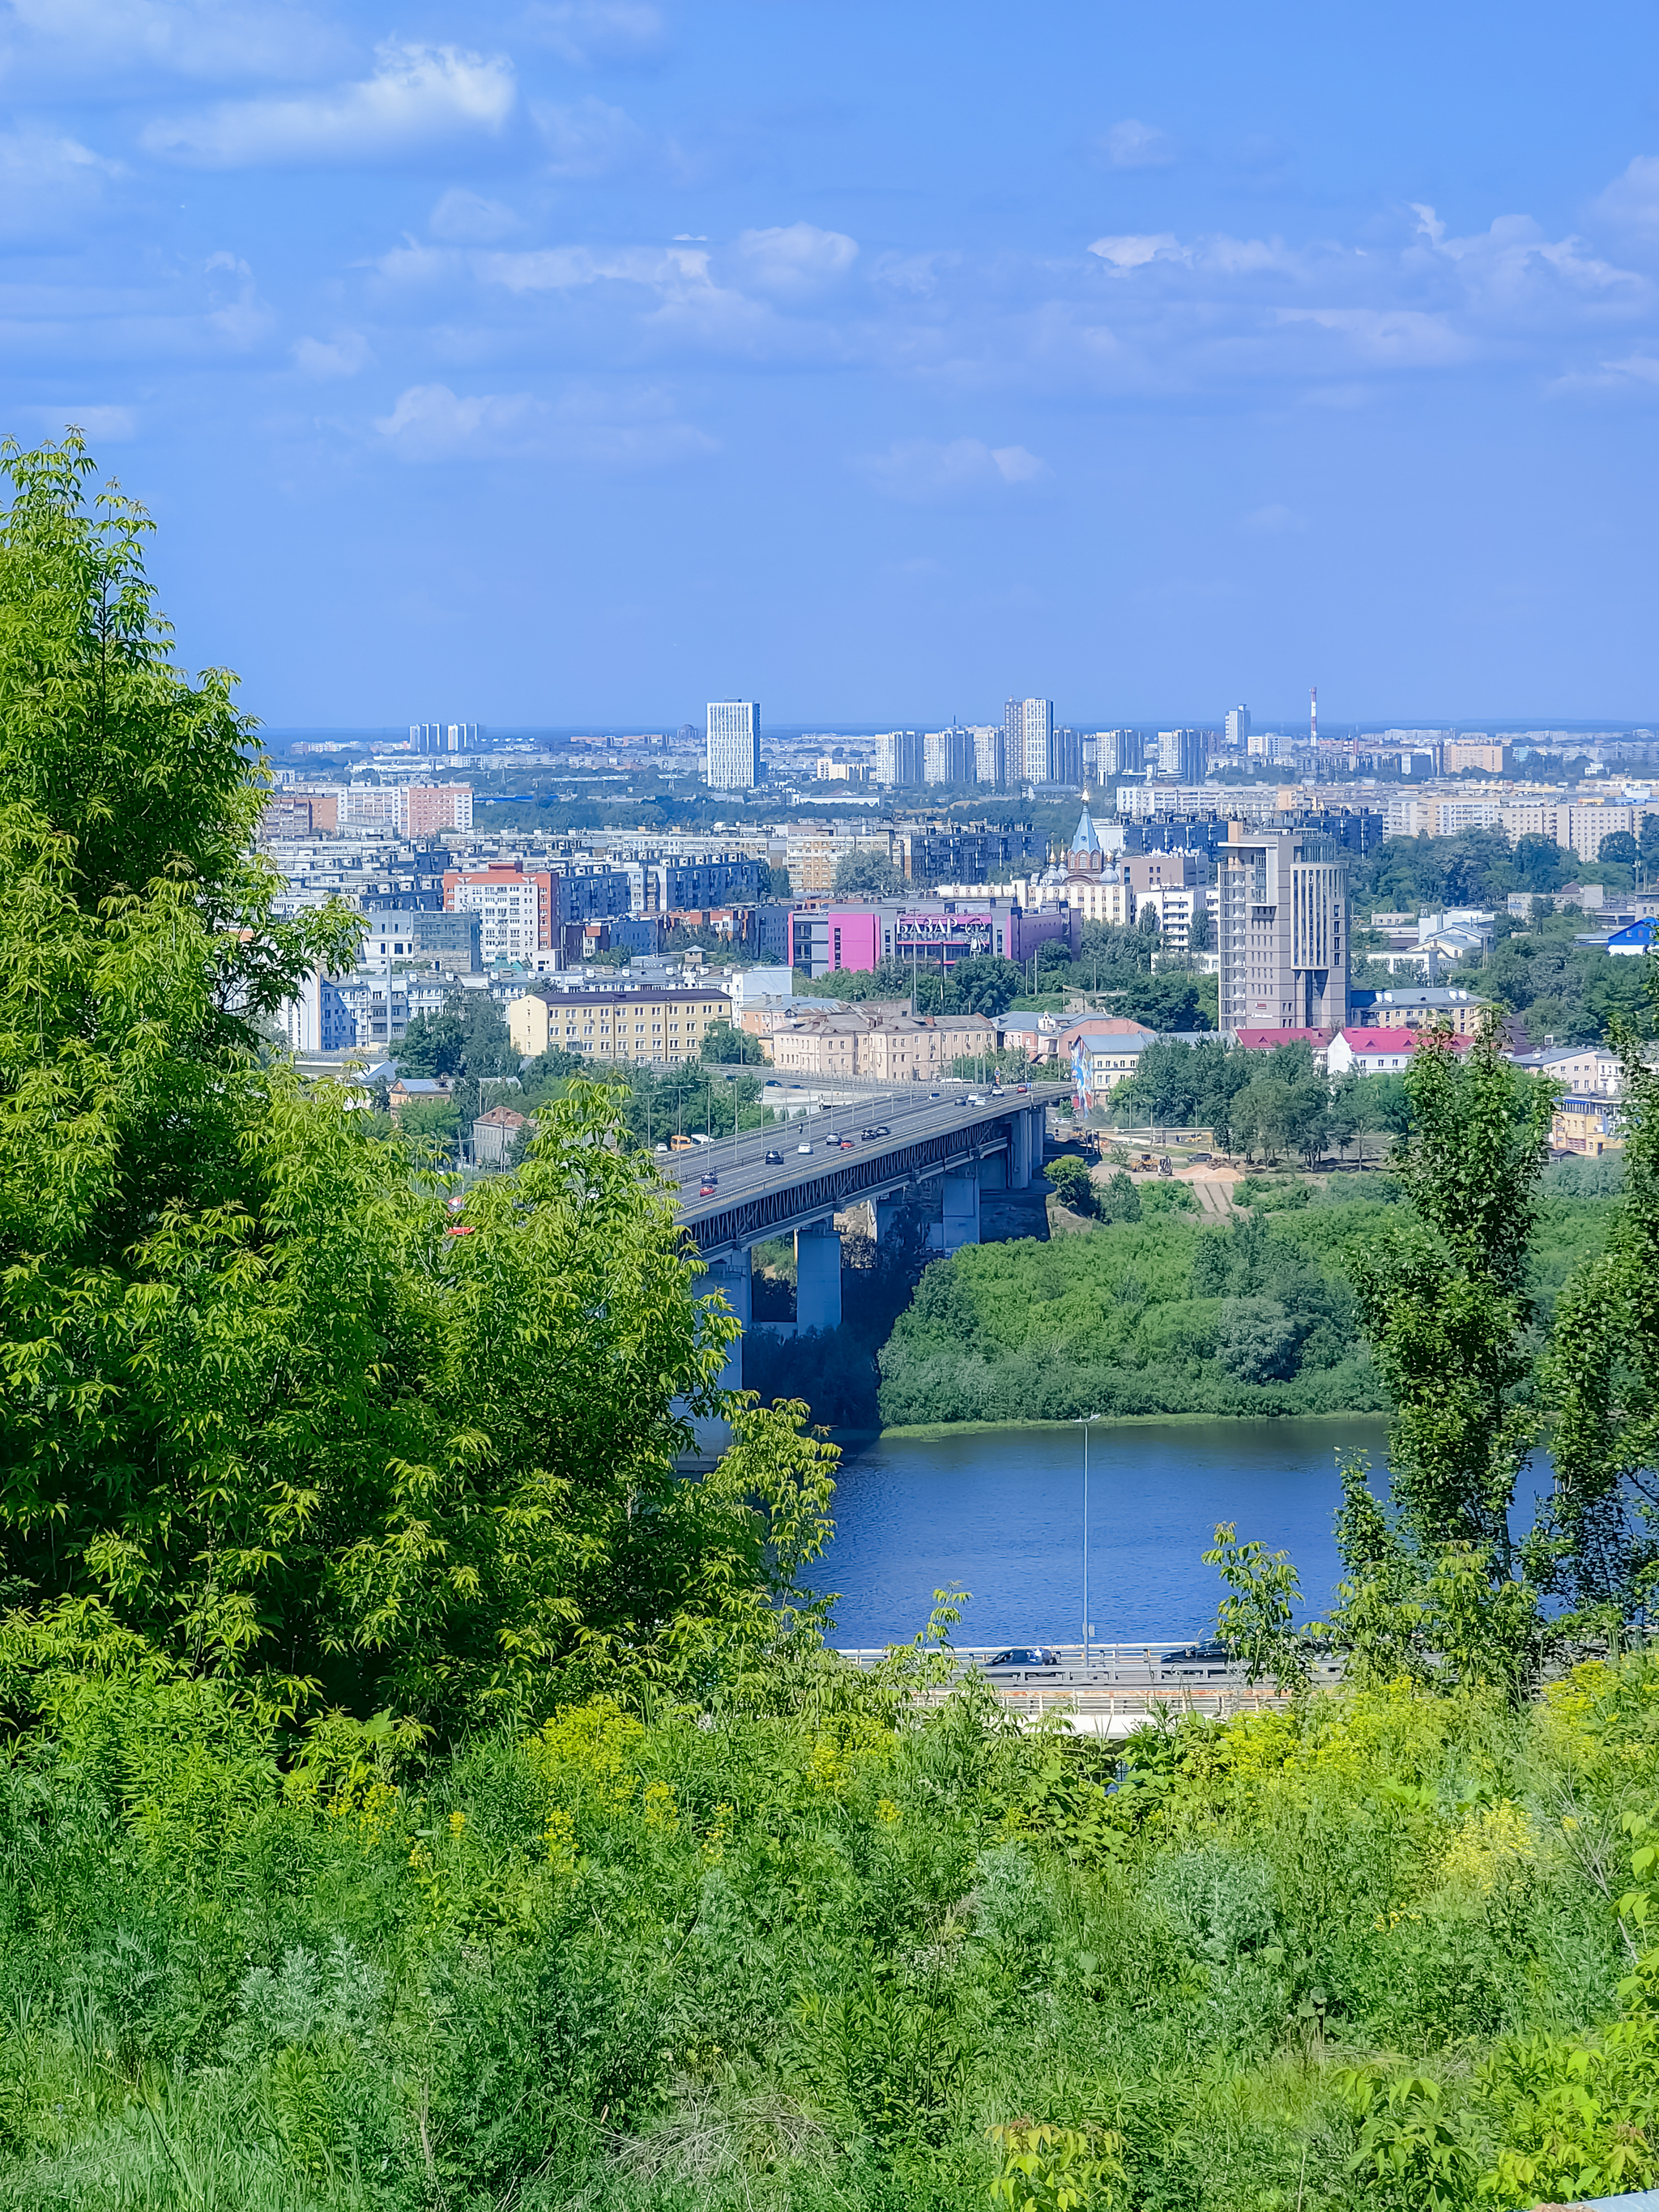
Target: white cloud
{"x": 215, "y": 40}
{"x": 922, "y": 469}
{"x": 418, "y": 96}
{"x": 588, "y": 140}
{"x": 1401, "y": 337}
{"x": 793, "y": 261}
{"x": 590, "y": 32}
{"x": 343, "y": 355}
{"x": 1132, "y": 145}
{"x": 104, "y": 426}
{"x": 468, "y": 219}
{"x": 586, "y": 428}
{"x": 1135, "y": 252}
{"x": 48, "y": 184}
{"x": 1631, "y": 201}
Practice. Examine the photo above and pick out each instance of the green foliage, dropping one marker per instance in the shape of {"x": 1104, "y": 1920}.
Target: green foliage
{"x": 725, "y": 1046}
{"x": 861, "y": 875}
{"x": 468, "y": 1040}
{"x": 794, "y": 1944}
{"x": 1443, "y": 1294}
{"x": 1603, "y": 1376}
{"x": 1070, "y": 1176}
{"x": 1257, "y": 1620}
{"x": 1149, "y": 1315}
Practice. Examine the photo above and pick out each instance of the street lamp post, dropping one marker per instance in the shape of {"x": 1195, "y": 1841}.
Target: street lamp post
{"x": 1083, "y": 1423}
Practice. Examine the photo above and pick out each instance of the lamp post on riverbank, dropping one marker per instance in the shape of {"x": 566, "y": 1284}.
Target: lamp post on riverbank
{"x": 1083, "y": 1420}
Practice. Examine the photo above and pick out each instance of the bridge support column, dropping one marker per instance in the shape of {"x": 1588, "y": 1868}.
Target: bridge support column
{"x": 886, "y": 1211}
{"x": 818, "y": 1277}
{"x": 1020, "y": 1152}
{"x": 734, "y": 1280}
{"x": 959, "y": 1220}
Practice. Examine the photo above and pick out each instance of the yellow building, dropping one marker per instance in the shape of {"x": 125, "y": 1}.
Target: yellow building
{"x": 1587, "y": 1126}
{"x": 650, "y": 1024}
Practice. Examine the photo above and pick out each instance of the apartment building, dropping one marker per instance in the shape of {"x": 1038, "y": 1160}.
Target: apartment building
{"x": 657, "y": 1023}
{"x": 886, "y": 1041}
{"x": 1282, "y": 916}
{"x": 515, "y": 907}
{"x": 1420, "y": 1009}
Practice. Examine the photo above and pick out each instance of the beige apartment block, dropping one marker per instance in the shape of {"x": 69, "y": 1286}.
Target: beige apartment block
{"x": 891, "y": 1046}
{"x": 644, "y": 1026}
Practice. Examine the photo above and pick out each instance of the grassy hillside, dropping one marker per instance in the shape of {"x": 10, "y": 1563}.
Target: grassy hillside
{"x": 799, "y": 1952}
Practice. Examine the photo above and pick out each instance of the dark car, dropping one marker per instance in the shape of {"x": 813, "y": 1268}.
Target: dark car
{"x": 1023, "y": 1658}
{"x": 773, "y": 1160}
{"x": 869, "y": 1136}
{"x": 884, "y": 1131}
{"x": 709, "y": 1186}
{"x": 933, "y": 1094}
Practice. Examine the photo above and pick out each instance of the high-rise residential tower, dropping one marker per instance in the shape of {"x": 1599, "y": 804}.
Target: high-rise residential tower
{"x": 901, "y": 757}
{"x": 1282, "y": 914}
{"x": 734, "y": 761}
{"x": 1238, "y": 729}
{"x": 1036, "y": 731}
{"x": 1121, "y": 752}
{"x": 1180, "y": 753}
{"x": 990, "y": 754}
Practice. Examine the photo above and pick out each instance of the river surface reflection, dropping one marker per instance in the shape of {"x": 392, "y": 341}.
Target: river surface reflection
{"x": 1001, "y": 1513}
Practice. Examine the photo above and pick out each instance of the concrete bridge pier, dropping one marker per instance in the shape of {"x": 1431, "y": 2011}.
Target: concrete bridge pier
{"x": 1020, "y": 1151}
{"x": 817, "y": 1276}
{"x": 886, "y": 1211}
{"x": 733, "y": 1278}
{"x": 959, "y": 1222}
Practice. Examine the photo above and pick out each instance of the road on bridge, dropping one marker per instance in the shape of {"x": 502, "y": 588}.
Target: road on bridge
{"x": 909, "y": 1111}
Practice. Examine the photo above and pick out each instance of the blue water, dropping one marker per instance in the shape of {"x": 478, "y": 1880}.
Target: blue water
{"x": 1001, "y": 1513}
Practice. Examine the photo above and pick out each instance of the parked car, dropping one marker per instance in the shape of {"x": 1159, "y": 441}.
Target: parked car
{"x": 773, "y": 1160}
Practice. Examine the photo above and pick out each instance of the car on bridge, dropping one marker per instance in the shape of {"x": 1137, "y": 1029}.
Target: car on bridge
{"x": 803, "y": 1148}
{"x": 773, "y": 1160}
{"x": 1021, "y": 1659}
{"x": 709, "y": 1186}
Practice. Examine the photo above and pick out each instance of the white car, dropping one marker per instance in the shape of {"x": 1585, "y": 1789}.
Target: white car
{"x": 803, "y": 1148}
{"x": 974, "y": 1099}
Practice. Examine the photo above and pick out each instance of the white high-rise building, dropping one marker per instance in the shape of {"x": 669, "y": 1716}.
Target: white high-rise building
{"x": 1036, "y": 731}
{"x": 900, "y": 758}
{"x": 1238, "y": 729}
{"x": 1181, "y": 753}
{"x": 734, "y": 757}
{"x": 948, "y": 756}
{"x": 1120, "y": 752}
{"x": 990, "y": 754}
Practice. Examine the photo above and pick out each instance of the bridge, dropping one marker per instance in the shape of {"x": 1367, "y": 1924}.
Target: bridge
{"x": 833, "y": 1160}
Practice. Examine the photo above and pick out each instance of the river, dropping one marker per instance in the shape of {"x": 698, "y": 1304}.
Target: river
{"x": 1000, "y": 1512}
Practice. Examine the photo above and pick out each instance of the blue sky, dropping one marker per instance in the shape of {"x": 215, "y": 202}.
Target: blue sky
{"x": 565, "y": 360}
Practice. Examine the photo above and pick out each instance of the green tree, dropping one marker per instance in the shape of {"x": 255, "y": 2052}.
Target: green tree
{"x": 1070, "y": 1177}
{"x": 726, "y": 1046}
{"x": 1443, "y": 1298}
{"x": 986, "y": 984}
{"x": 869, "y": 875}
{"x": 1603, "y": 1377}
{"x": 265, "y": 1400}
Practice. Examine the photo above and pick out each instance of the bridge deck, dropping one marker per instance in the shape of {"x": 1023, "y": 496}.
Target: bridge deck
{"x": 929, "y": 1134}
